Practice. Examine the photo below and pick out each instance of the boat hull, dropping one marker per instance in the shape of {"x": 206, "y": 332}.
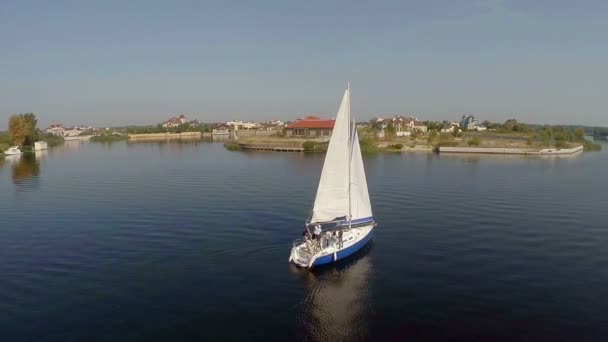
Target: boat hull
{"x": 300, "y": 254}
{"x": 346, "y": 252}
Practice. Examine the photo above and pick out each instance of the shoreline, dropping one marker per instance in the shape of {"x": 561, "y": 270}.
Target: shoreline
{"x": 168, "y": 135}
{"x": 517, "y": 151}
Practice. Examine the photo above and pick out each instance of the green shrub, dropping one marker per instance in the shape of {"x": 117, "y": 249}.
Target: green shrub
{"x": 321, "y": 147}
{"x": 590, "y": 146}
{"x": 447, "y": 144}
{"x": 368, "y": 144}
{"x": 394, "y": 147}
{"x": 108, "y": 138}
{"x": 431, "y": 136}
{"x": 232, "y": 146}
{"x": 474, "y": 142}
{"x": 51, "y": 139}
{"x": 309, "y": 146}
{"x": 314, "y": 146}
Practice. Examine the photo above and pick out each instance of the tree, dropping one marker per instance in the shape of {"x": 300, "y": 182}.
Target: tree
{"x": 390, "y": 129}
{"x": 579, "y": 133}
{"x": 17, "y": 129}
{"x": 32, "y": 124}
{"x": 431, "y": 137}
{"x": 433, "y": 125}
{"x": 22, "y": 129}
{"x": 375, "y": 124}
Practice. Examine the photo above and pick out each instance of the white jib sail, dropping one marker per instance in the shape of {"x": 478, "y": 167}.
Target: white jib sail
{"x": 332, "y": 194}
{"x": 359, "y": 197}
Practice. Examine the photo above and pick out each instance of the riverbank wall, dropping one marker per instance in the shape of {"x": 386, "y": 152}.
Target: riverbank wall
{"x": 520, "y": 151}
{"x": 168, "y": 136}
{"x": 252, "y": 133}
{"x": 78, "y": 137}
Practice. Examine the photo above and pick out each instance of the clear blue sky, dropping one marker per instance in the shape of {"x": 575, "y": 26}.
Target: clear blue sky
{"x": 122, "y": 62}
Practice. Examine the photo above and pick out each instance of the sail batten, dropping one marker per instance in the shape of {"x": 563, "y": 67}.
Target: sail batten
{"x": 342, "y": 187}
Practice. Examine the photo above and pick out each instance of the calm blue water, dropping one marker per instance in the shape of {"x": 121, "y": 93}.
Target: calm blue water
{"x": 190, "y": 241}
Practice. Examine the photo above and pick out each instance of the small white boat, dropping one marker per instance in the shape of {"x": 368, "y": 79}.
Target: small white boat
{"x": 341, "y": 221}
{"x": 13, "y": 150}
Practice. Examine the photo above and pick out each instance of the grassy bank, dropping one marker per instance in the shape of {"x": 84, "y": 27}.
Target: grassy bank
{"x": 542, "y": 138}
{"x": 591, "y": 146}
{"x": 108, "y": 138}
{"x": 4, "y": 142}
{"x": 51, "y": 140}
{"x": 232, "y": 146}
{"x": 315, "y": 146}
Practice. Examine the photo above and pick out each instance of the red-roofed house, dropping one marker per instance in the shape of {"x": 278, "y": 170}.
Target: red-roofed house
{"x": 310, "y": 127}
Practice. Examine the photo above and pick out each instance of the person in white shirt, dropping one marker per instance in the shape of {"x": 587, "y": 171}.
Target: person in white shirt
{"x": 317, "y": 233}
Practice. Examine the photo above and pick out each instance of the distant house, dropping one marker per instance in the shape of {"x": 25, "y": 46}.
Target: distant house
{"x": 221, "y": 130}
{"x": 470, "y": 123}
{"x": 272, "y": 125}
{"x": 453, "y": 126}
{"x": 174, "y": 121}
{"x": 194, "y": 123}
{"x": 403, "y": 125}
{"x": 239, "y": 124}
{"x": 310, "y": 127}
{"x": 419, "y": 126}
{"x": 59, "y": 130}
{"x": 276, "y": 123}
{"x": 56, "y": 129}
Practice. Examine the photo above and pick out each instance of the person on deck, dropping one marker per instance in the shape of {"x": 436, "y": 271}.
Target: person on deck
{"x": 317, "y": 234}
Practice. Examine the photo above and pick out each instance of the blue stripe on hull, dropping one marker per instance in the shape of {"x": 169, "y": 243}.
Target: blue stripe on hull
{"x": 359, "y": 221}
{"x": 345, "y": 252}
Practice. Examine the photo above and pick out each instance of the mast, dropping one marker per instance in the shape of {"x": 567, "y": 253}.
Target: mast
{"x": 350, "y": 157}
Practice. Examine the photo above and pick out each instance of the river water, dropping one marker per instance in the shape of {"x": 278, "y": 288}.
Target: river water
{"x": 179, "y": 241}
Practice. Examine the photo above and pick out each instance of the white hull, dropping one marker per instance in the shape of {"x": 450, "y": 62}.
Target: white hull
{"x": 12, "y": 151}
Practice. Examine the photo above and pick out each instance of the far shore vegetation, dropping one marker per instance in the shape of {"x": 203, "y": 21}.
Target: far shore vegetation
{"x": 232, "y": 146}
{"x": 510, "y": 134}
{"x": 109, "y": 137}
{"x": 186, "y": 127}
{"x": 23, "y": 131}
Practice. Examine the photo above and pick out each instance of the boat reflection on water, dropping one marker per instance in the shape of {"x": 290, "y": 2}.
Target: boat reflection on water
{"x": 338, "y": 302}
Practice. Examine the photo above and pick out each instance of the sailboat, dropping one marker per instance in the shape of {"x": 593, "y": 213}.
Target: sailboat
{"x": 341, "y": 222}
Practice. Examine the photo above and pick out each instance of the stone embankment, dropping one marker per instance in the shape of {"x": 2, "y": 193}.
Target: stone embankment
{"x": 521, "y": 151}
{"x": 163, "y": 136}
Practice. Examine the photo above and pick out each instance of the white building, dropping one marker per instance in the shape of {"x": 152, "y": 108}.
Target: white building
{"x": 56, "y": 129}
{"x": 239, "y": 124}
{"x": 174, "y": 121}
{"x": 72, "y": 131}
{"x": 454, "y": 126}
{"x": 276, "y": 123}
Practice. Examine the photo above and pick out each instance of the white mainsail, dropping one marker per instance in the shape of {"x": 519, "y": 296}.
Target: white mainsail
{"x": 332, "y": 199}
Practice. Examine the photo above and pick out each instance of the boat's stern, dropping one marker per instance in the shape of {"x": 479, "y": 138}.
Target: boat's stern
{"x": 300, "y": 256}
